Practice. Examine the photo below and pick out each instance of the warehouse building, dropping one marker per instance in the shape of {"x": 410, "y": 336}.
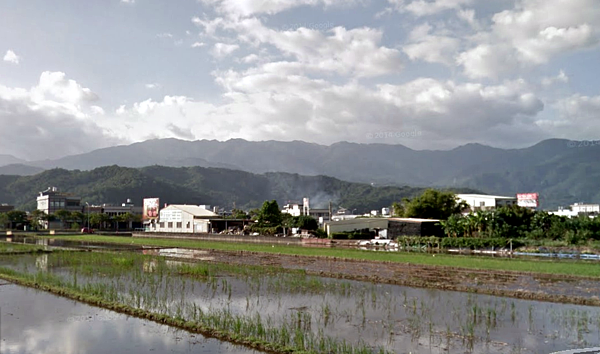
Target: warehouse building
{"x": 387, "y": 227}
{"x": 486, "y": 202}
{"x": 184, "y": 219}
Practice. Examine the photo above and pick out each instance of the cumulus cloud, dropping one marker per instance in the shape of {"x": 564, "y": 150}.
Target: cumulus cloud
{"x": 221, "y": 50}
{"x": 577, "y": 118}
{"x": 198, "y": 45}
{"x": 532, "y": 33}
{"x": 426, "y": 8}
{"x": 431, "y": 48}
{"x": 52, "y": 119}
{"x": 356, "y": 52}
{"x": 11, "y": 57}
{"x": 260, "y": 104}
{"x": 560, "y": 78}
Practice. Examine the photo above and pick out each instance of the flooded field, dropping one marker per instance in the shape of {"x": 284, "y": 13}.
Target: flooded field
{"x": 315, "y": 313}
{"x": 34, "y": 321}
{"x": 62, "y": 243}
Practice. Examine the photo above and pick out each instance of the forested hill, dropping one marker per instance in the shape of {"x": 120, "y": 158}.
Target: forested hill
{"x": 198, "y": 185}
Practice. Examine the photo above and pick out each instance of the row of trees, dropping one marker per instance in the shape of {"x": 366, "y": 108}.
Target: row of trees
{"x": 518, "y": 222}
{"x": 504, "y": 222}
{"x": 432, "y": 204}
{"x": 270, "y": 220}
{"x": 68, "y": 219}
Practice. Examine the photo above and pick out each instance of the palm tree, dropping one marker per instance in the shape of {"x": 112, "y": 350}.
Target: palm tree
{"x": 453, "y": 226}
{"x": 480, "y": 221}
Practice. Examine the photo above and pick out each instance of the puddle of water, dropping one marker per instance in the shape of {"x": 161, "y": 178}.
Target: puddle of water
{"x": 400, "y": 319}
{"x": 185, "y": 253}
{"x": 34, "y": 322}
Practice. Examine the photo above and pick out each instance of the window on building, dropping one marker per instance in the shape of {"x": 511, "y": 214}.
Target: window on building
{"x": 481, "y": 204}
{"x": 179, "y": 225}
{"x": 170, "y": 224}
{"x": 162, "y": 225}
{"x": 187, "y": 226}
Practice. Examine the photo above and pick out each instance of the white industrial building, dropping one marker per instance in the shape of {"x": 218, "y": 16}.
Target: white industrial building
{"x": 184, "y": 219}
{"x": 585, "y": 208}
{"x": 578, "y": 209}
{"x": 486, "y": 202}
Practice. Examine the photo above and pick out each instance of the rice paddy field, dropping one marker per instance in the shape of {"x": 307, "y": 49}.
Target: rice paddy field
{"x": 284, "y": 310}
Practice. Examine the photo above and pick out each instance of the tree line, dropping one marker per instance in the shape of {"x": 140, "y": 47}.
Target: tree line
{"x": 17, "y": 219}
{"x": 512, "y": 222}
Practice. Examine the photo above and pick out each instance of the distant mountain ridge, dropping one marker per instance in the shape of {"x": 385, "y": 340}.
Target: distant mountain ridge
{"x": 559, "y": 169}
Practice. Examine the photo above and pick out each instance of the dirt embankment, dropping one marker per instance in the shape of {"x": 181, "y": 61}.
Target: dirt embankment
{"x": 534, "y": 286}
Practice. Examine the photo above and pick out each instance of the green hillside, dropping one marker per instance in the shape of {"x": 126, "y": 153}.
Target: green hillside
{"x": 198, "y": 185}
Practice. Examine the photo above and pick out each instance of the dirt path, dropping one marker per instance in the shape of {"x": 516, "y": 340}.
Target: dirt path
{"x": 543, "y": 287}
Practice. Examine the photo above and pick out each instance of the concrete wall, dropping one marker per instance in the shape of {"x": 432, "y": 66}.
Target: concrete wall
{"x": 403, "y": 228}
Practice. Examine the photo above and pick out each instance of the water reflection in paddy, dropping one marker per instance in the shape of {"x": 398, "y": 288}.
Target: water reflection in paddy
{"x": 400, "y": 319}
{"x": 34, "y": 322}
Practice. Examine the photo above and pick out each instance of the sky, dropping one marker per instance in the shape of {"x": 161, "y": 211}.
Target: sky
{"x": 428, "y": 74}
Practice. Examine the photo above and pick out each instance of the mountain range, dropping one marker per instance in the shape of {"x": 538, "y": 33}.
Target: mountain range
{"x": 562, "y": 171}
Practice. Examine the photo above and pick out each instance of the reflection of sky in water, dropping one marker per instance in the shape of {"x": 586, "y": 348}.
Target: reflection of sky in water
{"x": 399, "y": 318}
{"x": 38, "y": 322}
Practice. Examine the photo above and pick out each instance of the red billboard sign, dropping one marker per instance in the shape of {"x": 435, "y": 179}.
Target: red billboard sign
{"x": 528, "y": 200}
{"x": 151, "y": 206}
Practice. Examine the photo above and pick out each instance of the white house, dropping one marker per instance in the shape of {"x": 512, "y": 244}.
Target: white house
{"x": 184, "y": 218}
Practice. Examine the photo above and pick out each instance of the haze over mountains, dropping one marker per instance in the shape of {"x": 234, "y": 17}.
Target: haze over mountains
{"x": 562, "y": 171}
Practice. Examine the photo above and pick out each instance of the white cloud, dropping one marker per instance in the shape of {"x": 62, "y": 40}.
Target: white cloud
{"x": 221, "y": 50}
{"x": 560, "y": 78}
{"x": 532, "y": 33}
{"x": 97, "y": 110}
{"x": 164, "y": 35}
{"x": 577, "y": 118}
{"x": 152, "y": 86}
{"x": 198, "y": 45}
{"x": 431, "y": 48}
{"x": 468, "y": 15}
{"x": 52, "y": 119}
{"x": 487, "y": 60}
{"x": 244, "y": 8}
{"x": 262, "y": 103}
{"x": 55, "y": 86}
{"x": 356, "y": 52}
{"x": 128, "y": 1}
{"x": 426, "y": 8}
{"x": 11, "y": 57}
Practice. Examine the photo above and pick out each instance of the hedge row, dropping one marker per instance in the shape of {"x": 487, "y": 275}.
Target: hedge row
{"x": 458, "y": 242}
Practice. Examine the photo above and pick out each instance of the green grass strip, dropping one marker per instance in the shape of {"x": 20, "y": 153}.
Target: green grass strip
{"x": 19, "y": 248}
{"x": 548, "y": 266}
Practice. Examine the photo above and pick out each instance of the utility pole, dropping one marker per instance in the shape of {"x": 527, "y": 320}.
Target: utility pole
{"x": 88, "y": 215}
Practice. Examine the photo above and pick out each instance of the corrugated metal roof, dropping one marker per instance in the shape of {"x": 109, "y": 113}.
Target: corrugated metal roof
{"x": 484, "y": 196}
{"x": 192, "y": 209}
{"x": 413, "y": 219}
